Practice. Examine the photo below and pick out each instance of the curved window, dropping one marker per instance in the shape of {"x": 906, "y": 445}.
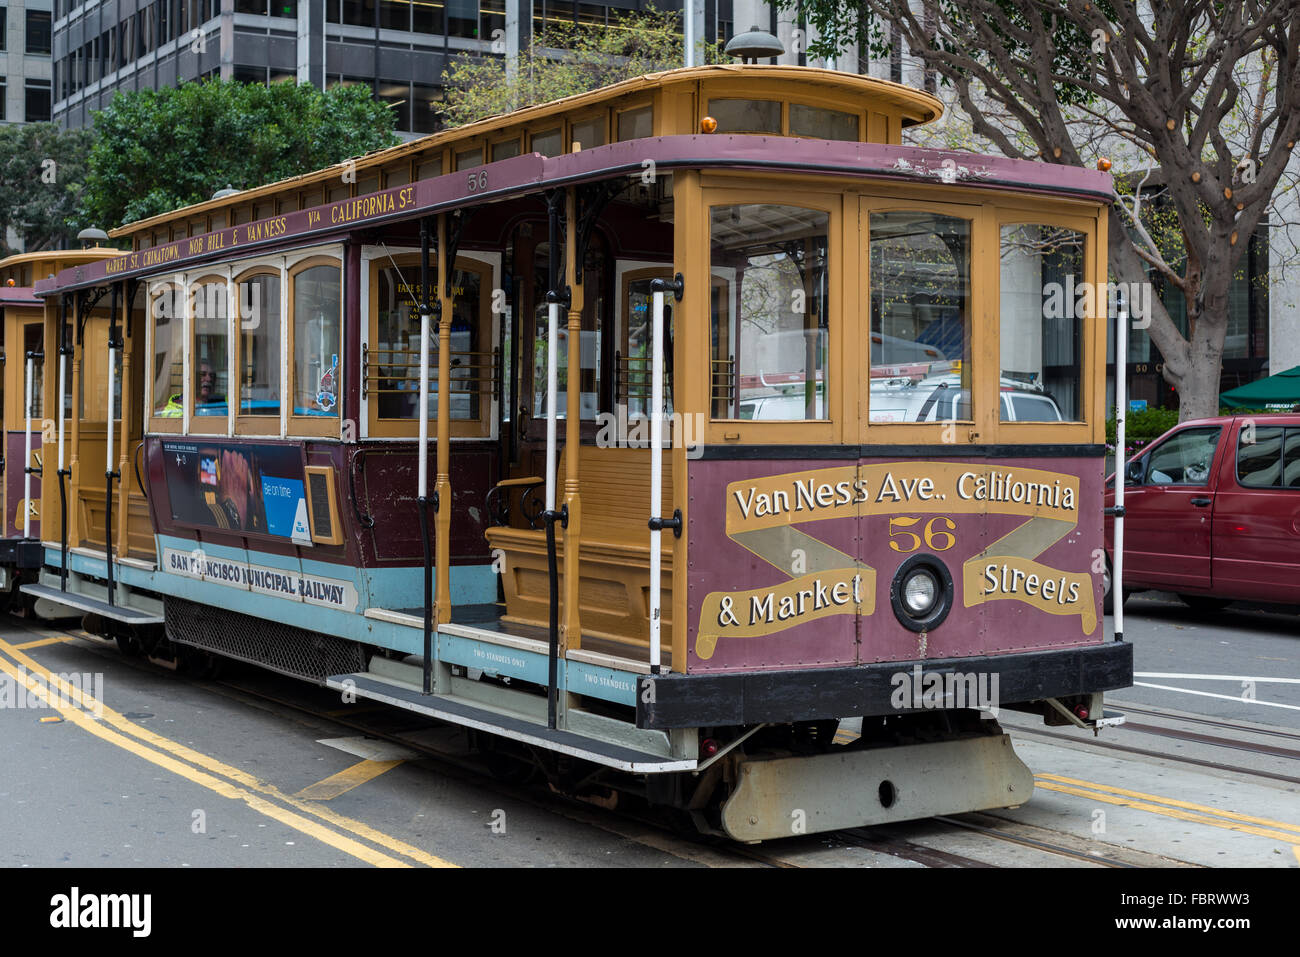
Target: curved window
{"x": 317, "y": 339}
{"x": 920, "y": 316}
{"x": 769, "y": 312}
{"x": 211, "y": 365}
{"x": 259, "y": 345}
{"x": 168, "y": 353}
{"x": 1044, "y": 300}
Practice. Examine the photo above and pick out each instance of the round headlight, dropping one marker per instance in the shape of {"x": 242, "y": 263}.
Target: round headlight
{"x": 920, "y": 592}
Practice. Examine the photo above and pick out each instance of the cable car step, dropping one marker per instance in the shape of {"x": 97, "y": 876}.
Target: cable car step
{"x": 93, "y": 606}
{"x": 512, "y": 726}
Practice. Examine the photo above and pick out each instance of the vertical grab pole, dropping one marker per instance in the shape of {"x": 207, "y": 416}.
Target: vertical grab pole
{"x": 1121, "y": 463}
{"x": 555, "y": 297}
{"x": 65, "y": 350}
{"x": 63, "y": 416}
{"x": 27, "y": 457}
{"x": 657, "y": 523}
{"x": 656, "y": 471}
{"x": 109, "y": 473}
{"x": 422, "y": 491}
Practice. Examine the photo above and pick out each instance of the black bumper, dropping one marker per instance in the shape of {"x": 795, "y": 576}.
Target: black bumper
{"x": 710, "y": 700}
{"x": 21, "y": 552}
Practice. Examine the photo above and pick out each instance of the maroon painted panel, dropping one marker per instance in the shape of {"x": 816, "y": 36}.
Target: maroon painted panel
{"x": 791, "y": 562}
{"x": 15, "y": 449}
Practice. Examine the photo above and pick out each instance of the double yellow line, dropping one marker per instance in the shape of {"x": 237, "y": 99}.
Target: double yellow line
{"x": 1174, "y": 808}
{"x": 307, "y": 817}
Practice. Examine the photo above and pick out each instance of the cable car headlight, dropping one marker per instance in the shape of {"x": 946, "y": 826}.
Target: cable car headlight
{"x": 921, "y": 593}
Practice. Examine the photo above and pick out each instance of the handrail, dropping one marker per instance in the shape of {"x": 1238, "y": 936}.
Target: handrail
{"x": 1121, "y": 466}
{"x": 657, "y": 524}
{"x": 32, "y": 356}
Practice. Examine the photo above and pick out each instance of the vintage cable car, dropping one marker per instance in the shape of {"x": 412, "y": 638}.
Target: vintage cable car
{"x": 23, "y": 405}
{"x": 555, "y": 427}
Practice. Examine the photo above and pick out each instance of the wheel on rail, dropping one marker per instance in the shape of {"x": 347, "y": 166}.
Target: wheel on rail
{"x": 129, "y": 646}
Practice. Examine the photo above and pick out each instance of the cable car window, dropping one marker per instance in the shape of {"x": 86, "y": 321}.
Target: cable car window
{"x": 505, "y": 149}
{"x": 211, "y": 350}
{"x": 1042, "y": 309}
{"x": 636, "y": 124}
{"x": 823, "y": 124}
{"x": 33, "y": 337}
{"x": 594, "y": 317}
{"x": 634, "y": 379}
{"x": 469, "y": 158}
{"x": 920, "y": 311}
{"x": 590, "y": 132}
{"x": 317, "y": 308}
{"x": 769, "y": 323}
{"x": 746, "y": 116}
{"x": 394, "y": 375}
{"x": 168, "y": 353}
{"x": 548, "y": 143}
{"x": 259, "y": 345}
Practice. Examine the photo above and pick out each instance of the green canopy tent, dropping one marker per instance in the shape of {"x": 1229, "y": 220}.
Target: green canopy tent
{"x": 1277, "y": 393}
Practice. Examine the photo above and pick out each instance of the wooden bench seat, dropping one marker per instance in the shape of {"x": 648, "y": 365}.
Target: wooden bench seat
{"x": 614, "y": 551}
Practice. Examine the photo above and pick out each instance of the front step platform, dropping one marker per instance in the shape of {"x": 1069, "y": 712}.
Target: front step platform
{"x": 512, "y": 726}
{"x": 93, "y": 606}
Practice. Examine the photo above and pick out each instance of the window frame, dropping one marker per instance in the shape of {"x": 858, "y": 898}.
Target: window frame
{"x": 256, "y": 424}
{"x": 192, "y": 291}
{"x": 984, "y": 342}
{"x": 482, "y": 427}
{"x": 724, "y": 432}
{"x": 307, "y": 425}
{"x": 168, "y": 424}
{"x": 639, "y": 272}
{"x": 1092, "y": 334}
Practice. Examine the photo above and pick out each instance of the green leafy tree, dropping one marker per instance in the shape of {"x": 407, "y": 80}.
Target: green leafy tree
{"x": 164, "y": 149}
{"x": 1196, "y": 102}
{"x": 42, "y": 172}
{"x": 565, "y": 59}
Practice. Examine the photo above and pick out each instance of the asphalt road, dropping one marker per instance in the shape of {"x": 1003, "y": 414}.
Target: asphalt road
{"x": 256, "y": 770}
{"x": 1242, "y": 663}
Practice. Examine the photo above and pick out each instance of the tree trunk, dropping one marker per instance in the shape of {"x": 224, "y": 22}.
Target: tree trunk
{"x": 1198, "y": 392}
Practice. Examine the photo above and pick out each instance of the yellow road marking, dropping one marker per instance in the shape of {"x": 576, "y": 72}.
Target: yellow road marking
{"x": 50, "y": 719}
{"x": 223, "y": 788}
{"x": 345, "y": 780}
{"x": 1172, "y": 802}
{"x": 1171, "y": 812}
{"x": 58, "y": 639}
{"x": 1297, "y": 852}
{"x": 107, "y": 715}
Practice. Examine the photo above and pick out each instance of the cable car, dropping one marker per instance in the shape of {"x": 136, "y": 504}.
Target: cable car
{"x": 468, "y": 427}
{"x": 23, "y": 404}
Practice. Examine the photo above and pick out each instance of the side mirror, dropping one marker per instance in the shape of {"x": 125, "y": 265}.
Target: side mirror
{"x": 1135, "y": 472}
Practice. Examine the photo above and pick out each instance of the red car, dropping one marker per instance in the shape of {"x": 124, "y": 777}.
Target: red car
{"x": 1212, "y": 512}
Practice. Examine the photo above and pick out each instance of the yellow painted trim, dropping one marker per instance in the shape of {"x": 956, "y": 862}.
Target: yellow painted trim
{"x": 804, "y": 84}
